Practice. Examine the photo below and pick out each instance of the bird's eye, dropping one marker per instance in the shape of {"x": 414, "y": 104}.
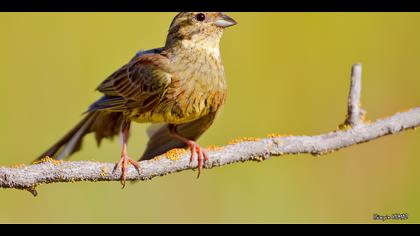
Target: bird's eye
{"x": 200, "y": 17}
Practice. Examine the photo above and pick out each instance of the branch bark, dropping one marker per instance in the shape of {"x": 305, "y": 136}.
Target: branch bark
{"x": 354, "y": 112}
{"x": 354, "y": 131}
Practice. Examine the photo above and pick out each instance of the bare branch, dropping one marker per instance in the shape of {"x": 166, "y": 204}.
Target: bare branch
{"x": 52, "y": 171}
{"x": 354, "y": 112}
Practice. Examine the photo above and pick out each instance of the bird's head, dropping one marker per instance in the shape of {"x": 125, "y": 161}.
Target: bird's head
{"x": 198, "y": 28}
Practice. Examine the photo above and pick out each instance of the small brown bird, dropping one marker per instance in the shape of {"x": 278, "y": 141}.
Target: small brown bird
{"x": 179, "y": 87}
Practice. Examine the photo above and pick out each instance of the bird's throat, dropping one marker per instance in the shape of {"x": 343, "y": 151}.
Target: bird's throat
{"x": 208, "y": 47}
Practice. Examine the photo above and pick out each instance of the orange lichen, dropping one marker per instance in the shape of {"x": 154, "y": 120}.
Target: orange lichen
{"x": 245, "y": 139}
{"x": 344, "y": 126}
{"x": 363, "y": 116}
{"x": 367, "y": 122}
{"x": 175, "y": 154}
{"x": 18, "y": 166}
{"x": 49, "y": 160}
{"x": 274, "y": 135}
{"x": 156, "y": 158}
{"x": 104, "y": 171}
{"x": 213, "y": 148}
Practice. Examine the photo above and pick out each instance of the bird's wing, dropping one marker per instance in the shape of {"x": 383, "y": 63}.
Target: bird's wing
{"x": 141, "y": 84}
{"x": 161, "y": 140}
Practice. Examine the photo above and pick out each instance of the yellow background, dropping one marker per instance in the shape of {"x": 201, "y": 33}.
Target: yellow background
{"x": 288, "y": 73}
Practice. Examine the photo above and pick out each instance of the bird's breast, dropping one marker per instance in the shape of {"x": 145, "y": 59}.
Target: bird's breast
{"x": 197, "y": 88}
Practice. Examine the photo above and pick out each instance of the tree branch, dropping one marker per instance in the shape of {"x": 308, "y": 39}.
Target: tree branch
{"x": 354, "y": 112}
{"x": 354, "y": 131}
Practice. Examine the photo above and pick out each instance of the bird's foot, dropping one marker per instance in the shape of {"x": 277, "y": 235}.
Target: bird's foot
{"x": 201, "y": 155}
{"x": 124, "y": 161}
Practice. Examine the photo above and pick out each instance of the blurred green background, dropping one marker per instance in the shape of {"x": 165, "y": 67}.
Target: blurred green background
{"x": 288, "y": 73}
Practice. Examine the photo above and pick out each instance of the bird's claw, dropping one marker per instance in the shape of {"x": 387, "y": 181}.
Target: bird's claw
{"x": 123, "y": 162}
{"x": 201, "y": 156}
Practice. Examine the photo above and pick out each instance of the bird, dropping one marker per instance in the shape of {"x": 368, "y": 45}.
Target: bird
{"x": 178, "y": 88}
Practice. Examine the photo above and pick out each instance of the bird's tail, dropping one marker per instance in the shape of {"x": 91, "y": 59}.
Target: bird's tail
{"x": 103, "y": 124}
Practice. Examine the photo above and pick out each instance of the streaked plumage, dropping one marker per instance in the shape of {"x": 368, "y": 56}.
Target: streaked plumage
{"x": 180, "y": 86}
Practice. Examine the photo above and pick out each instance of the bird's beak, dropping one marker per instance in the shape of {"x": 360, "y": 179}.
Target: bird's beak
{"x": 225, "y": 21}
